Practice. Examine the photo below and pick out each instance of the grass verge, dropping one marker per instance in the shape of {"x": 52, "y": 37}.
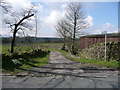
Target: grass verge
{"x": 15, "y": 65}
{"x": 109, "y": 64}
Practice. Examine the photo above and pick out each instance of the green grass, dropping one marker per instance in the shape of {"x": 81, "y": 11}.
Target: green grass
{"x": 37, "y": 60}
{"x": 53, "y": 49}
{"x": 49, "y": 43}
{"x": 39, "y": 44}
{"x": 18, "y": 49}
{"x": 40, "y": 60}
{"x": 110, "y": 64}
{"x": 0, "y": 49}
{"x": 5, "y": 48}
{"x": 27, "y": 63}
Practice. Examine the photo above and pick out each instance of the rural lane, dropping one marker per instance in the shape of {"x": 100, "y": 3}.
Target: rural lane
{"x": 61, "y": 72}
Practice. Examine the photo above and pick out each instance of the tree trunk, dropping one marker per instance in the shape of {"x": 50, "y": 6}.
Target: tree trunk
{"x": 73, "y": 46}
{"x": 64, "y": 43}
{"x": 13, "y": 41}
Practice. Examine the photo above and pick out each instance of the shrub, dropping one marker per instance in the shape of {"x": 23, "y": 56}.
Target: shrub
{"x": 97, "y": 51}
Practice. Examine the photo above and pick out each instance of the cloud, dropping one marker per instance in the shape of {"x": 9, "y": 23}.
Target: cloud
{"x": 50, "y": 13}
{"x": 64, "y": 6}
{"x": 89, "y": 21}
{"x": 49, "y": 22}
{"x": 53, "y": 17}
{"x": 110, "y": 28}
{"x": 5, "y": 31}
{"x": 107, "y": 26}
{"x": 20, "y": 5}
{"x": 17, "y": 5}
{"x": 75, "y": 0}
{"x": 38, "y": 8}
{"x": 47, "y": 27}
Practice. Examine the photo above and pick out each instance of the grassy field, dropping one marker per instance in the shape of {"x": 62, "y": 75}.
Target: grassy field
{"x": 18, "y": 49}
{"x": 5, "y": 48}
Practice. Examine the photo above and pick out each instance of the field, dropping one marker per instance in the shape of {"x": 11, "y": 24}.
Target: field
{"x": 29, "y": 46}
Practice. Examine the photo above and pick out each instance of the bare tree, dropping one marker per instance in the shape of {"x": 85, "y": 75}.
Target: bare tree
{"x": 62, "y": 32}
{"x": 5, "y": 6}
{"x": 76, "y": 21}
{"x": 18, "y": 21}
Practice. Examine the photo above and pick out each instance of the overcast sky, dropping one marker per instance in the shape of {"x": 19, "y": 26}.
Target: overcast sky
{"x": 101, "y": 16}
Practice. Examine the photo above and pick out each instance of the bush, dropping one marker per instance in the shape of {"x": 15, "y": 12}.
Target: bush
{"x": 97, "y": 51}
